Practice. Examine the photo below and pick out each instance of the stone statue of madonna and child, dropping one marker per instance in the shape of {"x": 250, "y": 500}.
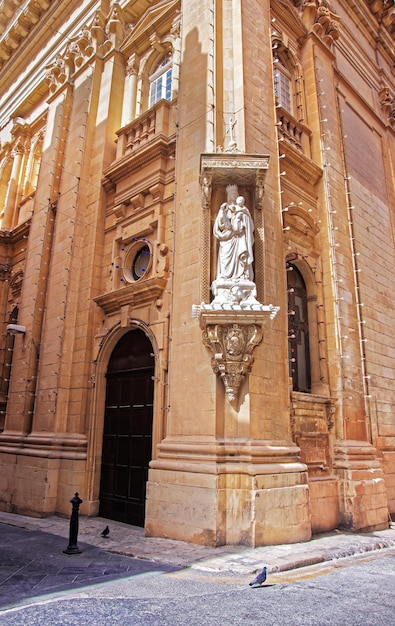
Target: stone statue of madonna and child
{"x": 234, "y": 230}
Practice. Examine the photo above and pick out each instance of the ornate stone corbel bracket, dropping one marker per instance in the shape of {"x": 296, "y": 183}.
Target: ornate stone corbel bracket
{"x": 321, "y": 19}
{"x": 387, "y": 103}
{"x": 232, "y": 332}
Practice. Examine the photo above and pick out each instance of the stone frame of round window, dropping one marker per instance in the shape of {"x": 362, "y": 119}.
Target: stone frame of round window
{"x": 138, "y": 261}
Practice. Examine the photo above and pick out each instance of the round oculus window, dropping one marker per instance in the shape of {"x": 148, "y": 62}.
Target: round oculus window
{"x": 138, "y": 261}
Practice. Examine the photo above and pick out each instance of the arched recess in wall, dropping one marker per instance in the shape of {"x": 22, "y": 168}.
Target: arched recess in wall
{"x": 117, "y": 375}
{"x": 288, "y": 83}
{"x": 155, "y": 78}
{"x": 303, "y": 339}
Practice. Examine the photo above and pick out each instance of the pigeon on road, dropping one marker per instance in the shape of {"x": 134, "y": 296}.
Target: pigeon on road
{"x": 105, "y": 532}
{"x": 260, "y": 579}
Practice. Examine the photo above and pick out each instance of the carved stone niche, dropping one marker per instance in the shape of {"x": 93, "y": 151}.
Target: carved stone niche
{"x": 232, "y": 322}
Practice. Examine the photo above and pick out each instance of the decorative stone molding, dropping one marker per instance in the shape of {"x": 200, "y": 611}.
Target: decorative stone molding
{"x": 5, "y": 271}
{"x": 206, "y": 190}
{"x": 330, "y": 414}
{"x": 321, "y": 19}
{"x": 101, "y": 36}
{"x": 15, "y": 283}
{"x": 387, "y": 103}
{"x": 135, "y": 295}
{"x": 15, "y": 25}
{"x": 224, "y": 168}
{"x": 326, "y": 24}
{"x": 384, "y": 11}
{"x": 176, "y": 27}
{"x": 232, "y": 323}
{"x": 231, "y": 332}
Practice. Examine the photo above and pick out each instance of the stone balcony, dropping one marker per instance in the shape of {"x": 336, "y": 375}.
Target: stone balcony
{"x": 154, "y": 123}
{"x": 296, "y": 133}
{"x": 149, "y": 136}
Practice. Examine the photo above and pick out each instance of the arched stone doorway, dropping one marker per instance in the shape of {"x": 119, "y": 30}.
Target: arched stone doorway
{"x": 127, "y": 435}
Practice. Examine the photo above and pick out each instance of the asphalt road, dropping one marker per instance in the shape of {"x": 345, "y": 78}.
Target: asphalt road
{"x": 349, "y": 592}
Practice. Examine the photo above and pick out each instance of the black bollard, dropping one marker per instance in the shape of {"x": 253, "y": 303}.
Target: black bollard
{"x": 73, "y": 548}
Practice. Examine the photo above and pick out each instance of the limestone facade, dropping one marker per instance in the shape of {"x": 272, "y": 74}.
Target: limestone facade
{"x": 259, "y": 411}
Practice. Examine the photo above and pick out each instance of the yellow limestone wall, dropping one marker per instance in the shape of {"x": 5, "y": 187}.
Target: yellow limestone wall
{"x": 225, "y": 474}
{"x": 274, "y": 466}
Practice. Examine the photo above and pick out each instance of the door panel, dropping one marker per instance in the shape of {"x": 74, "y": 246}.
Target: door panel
{"x": 127, "y": 444}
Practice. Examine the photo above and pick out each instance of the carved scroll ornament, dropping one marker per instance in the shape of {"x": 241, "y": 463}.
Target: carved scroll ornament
{"x": 326, "y": 23}
{"x": 232, "y": 346}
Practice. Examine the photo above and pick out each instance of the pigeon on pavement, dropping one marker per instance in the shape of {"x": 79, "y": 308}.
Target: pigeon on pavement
{"x": 260, "y": 579}
{"x": 105, "y": 532}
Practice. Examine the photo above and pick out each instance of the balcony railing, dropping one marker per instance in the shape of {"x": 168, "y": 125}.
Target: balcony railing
{"x": 289, "y": 129}
{"x": 155, "y": 123}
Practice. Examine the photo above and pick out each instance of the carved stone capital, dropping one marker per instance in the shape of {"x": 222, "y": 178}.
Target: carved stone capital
{"x": 132, "y": 66}
{"x": 56, "y": 74}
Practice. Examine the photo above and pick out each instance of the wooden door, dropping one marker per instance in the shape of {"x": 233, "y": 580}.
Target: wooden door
{"x": 127, "y": 437}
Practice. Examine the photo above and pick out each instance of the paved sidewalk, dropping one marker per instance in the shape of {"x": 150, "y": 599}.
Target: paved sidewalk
{"x": 130, "y": 541}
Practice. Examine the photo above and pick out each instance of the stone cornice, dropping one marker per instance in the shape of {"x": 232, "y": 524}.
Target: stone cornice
{"x": 11, "y": 237}
{"x": 384, "y": 12}
{"x": 301, "y": 165}
{"x": 139, "y": 293}
{"x": 373, "y": 14}
{"x": 283, "y": 10}
{"x": 17, "y": 18}
{"x": 161, "y": 146}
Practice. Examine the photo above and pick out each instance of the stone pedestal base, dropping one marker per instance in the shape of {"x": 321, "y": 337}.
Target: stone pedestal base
{"x": 362, "y": 493}
{"x": 324, "y": 504}
{"x": 40, "y": 472}
{"x": 251, "y": 494}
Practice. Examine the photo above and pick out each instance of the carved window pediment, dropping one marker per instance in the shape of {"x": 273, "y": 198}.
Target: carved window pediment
{"x": 136, "y": 295}
{"x": 153, "y": 18}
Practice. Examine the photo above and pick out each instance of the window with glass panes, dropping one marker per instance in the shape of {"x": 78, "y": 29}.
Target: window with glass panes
{"x": 283, "y": 87}
{"x": 160, "y": 83}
